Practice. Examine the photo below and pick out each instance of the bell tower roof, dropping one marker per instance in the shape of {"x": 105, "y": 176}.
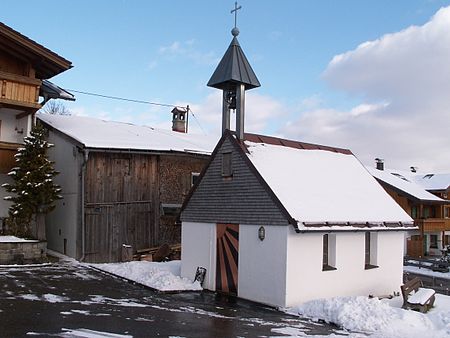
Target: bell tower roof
{"x": 233, "y": 69}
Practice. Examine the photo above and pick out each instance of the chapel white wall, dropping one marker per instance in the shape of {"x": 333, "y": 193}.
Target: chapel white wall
{"x": 262, "y": 264}
{"x": 198, "y": 248}
{"x": 306, "y": 280}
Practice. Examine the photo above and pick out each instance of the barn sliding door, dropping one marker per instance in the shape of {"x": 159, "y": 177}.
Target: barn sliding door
{"x": 227, "y": 258}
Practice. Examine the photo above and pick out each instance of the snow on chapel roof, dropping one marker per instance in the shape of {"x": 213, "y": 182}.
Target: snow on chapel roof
{"x": 324, "y": 185}
{"x": 102, "y": 134}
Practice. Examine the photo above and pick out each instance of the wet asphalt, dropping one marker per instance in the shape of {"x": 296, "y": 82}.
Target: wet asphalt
{"x": 67, "y": 300}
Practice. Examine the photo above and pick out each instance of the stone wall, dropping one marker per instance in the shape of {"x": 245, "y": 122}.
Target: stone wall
{"x": 30, "y": 252}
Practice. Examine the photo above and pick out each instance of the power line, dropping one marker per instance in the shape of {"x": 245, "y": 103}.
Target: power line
{"x": 137, "y": 101}
{"x": 125, "y": 99}
{"x": 196, "y": 120}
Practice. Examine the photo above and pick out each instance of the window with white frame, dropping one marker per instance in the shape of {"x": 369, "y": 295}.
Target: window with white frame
{"x": 328, "y": 252}
{"x": 370, "y": 250}
{"x": 433, "y": 241}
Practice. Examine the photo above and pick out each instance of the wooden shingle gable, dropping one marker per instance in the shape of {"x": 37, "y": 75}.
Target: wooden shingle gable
{"x": 243, "y": 198}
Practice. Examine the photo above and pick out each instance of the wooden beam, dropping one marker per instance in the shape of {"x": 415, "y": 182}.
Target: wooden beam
{"x": 23, "y": 114}
{"x": 29, "y": 106}
{"x": 10, "y": 146}
{"x": 20, "y": 78}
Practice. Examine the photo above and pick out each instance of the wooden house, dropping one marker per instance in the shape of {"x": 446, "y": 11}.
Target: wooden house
{"x": 24, "y": 67}
{"x": 427, "y": 210}
{"x": 283, "y": 222}
{"x": 121, "y": 183}
{"x": 439, "y": 185}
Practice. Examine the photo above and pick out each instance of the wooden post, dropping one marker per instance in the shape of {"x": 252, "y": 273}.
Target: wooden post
{"x": 38, "y": 227}
{"x": 127, "y": 253}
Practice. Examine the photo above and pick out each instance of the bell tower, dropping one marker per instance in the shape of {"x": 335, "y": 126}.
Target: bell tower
{"x": 234, "y": 76}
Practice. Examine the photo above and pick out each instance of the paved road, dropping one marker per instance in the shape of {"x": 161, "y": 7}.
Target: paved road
{"x": 66, "y": 300}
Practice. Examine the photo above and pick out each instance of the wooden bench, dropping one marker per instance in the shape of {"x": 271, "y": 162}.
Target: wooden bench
{"x": 417, "y": 298}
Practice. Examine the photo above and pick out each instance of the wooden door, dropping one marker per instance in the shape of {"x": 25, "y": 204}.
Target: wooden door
{"x": 110, "y": 226}
{"x": 227, "y": 258}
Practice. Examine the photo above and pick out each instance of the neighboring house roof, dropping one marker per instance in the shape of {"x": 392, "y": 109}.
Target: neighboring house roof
{"x": 46, "y": 62}
{"x": 234, "y": 68}
{"x": 49, "y": 90}
{"x": 317, "y": 187}
{"x": 405, "y": 185}
{"x": 434, "y": 182}
{"x": 101, "y": 134}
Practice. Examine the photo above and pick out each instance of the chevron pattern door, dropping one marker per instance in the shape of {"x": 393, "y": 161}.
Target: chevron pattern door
{"x": 227, "y": 258}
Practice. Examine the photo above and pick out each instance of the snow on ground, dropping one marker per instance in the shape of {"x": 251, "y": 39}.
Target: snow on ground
{"x": 14, "y": 239}
{"x": 380, "y": 318}
{"x": 164, "y": 276}
{"x": 425, "y": 271}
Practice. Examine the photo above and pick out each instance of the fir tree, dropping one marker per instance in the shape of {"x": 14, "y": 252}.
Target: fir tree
{"x": 33, "y": 190}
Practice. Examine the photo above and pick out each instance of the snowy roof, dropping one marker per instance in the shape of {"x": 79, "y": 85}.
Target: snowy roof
{"x": 434, "y": 181}
{"x": 325, "y": 186}
{"x": 102, "y": 134}
{"x": 404, "y": 184}
{"x": 51, "y": 91}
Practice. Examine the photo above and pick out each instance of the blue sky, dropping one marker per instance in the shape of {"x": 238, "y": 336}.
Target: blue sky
{"x": 165, "y": 51}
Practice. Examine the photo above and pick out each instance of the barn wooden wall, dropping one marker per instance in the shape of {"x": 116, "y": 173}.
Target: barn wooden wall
{"x": 123, "y": 197}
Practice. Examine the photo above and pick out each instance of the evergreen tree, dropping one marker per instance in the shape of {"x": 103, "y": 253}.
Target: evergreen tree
{"x": 33, "y": 190}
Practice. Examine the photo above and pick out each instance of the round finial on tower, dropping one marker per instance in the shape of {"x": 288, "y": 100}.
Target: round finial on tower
{"x": 235, "y": 31}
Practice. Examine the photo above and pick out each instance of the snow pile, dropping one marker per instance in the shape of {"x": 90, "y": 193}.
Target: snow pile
{"x": 380, "y": 318}
{"x": 161, "y": 276}
{"x": 14, "y": 239}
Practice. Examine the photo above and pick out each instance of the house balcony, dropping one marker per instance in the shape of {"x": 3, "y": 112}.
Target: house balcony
{"x": 432, "y": 224}
{"x": 19, "y": 92}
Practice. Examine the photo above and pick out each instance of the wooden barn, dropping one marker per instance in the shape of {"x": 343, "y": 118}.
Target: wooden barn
{"x": 25, "y": 66}
{"x": 122, "y": 185}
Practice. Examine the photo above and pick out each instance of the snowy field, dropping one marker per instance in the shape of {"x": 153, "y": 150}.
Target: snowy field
{"x": 163, "y": 276}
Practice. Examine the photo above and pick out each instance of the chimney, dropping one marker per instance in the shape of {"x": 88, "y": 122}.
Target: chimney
{"x": 179, "y": 119}
{"x": 380, "y": 163}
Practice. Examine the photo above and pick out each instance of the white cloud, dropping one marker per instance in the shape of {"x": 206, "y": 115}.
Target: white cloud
{"x": 260, "y": 112}
{"x": 410, "y": 70}
{"x": 189, "y": 50}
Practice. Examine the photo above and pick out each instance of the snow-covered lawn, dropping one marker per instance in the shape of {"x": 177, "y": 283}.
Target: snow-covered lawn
{"x": 161, "y": 276}
{"x": 380, "y": 318}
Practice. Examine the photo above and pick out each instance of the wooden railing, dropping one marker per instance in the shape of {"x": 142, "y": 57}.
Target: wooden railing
{"x": 432, "y": 224}
{"x": 17, "y": 90}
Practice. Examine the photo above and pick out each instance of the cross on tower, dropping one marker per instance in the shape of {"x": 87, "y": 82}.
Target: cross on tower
{"x": 236, "y": 8}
